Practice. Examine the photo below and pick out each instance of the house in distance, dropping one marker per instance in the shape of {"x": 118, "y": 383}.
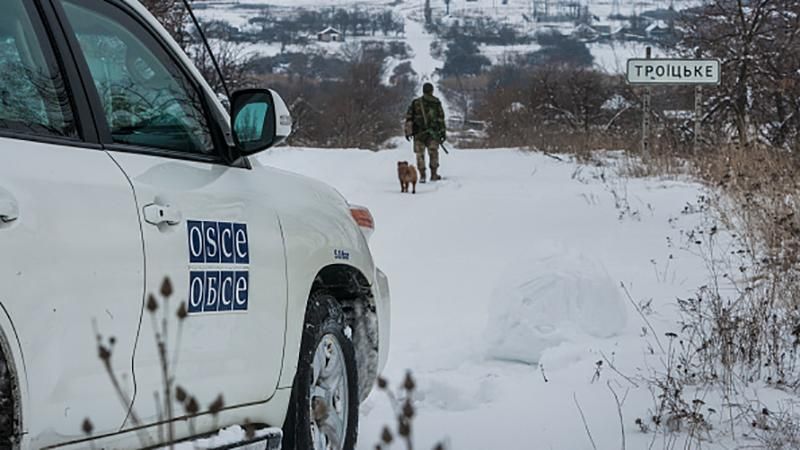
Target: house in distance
{"x": 330, "y": 34}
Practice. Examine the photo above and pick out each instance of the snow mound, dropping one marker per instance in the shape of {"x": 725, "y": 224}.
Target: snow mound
{"x": 562, "y": 296}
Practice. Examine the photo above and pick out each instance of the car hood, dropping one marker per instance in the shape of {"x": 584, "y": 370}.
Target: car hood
{"x": 298, "y": 188}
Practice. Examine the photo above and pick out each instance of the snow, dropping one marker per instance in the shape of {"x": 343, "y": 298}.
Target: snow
{"x": 459, "y": 254}
{"x": 420, "y": 42}
{"x": 227, "y": 436}
{"x": 513, "y": 278}
{"x": 560, "y": 296}
{"x": 613, "y": 57}
{"x": 609, "y": 56}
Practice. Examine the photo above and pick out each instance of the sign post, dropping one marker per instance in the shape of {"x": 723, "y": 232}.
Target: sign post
{"x": 646, "y": 116}
{"x": 698, "y": 115}
{"x": 672, "y": 72}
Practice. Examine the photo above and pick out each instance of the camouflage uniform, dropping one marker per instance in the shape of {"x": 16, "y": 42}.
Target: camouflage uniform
{"x": 425, "y": 121}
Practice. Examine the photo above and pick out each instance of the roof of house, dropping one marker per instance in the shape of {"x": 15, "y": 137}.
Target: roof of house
{"x": 330, "y": 30}
{"x": 658, "y": 25}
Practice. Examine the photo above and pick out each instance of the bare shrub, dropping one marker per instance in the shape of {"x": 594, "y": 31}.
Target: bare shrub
{"x": 358, "y": 111}
{"x": 402, "y": 403}
{"x": 743, "y": 326}
{"x": 464, "y": 93}
{"x": 558, "y": 108}
{"x": 776, "y": 430}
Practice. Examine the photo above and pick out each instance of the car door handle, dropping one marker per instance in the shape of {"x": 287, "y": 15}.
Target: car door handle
{"x": 156, "y": 214}
{"x": 9, "y": 211}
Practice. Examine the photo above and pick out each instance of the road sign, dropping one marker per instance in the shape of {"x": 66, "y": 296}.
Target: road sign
{"x": 673, "y": 71}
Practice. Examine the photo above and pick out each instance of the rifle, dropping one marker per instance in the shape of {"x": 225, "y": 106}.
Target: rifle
{"x": 436, "y": 136}
{"x": 433, "y": 135}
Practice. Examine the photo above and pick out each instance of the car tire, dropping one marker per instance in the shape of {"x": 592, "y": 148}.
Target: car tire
{"x": 10, "y": 425}
{"x": 327, "y": 367}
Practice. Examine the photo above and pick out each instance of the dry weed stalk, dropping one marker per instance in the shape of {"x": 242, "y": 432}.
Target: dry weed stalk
{"x": 402, "y": 403}
{"x": 160, "y": 319}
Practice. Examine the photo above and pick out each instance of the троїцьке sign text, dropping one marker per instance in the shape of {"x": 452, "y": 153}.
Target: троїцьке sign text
{"x": 673, "y": 71}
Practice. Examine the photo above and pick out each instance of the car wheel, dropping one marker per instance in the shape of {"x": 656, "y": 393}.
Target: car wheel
{"x": 9, "y": 408}
{"x": 323, "y": 413}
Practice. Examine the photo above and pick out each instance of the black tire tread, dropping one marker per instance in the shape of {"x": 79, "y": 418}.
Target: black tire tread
{"x": 323, "y": 316}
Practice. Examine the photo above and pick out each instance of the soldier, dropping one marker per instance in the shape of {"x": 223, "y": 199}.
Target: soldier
{"x": 425, "y": 123}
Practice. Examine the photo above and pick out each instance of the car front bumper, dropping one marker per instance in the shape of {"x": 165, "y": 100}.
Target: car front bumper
{"x": 383, "y": 309}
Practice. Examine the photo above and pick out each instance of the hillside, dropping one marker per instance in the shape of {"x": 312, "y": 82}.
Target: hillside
{"x": 527, "y": 17}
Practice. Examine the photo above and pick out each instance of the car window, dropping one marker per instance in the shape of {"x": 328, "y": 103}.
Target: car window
{"x": 33, "y": 95}
{"x": 147, "y": 99}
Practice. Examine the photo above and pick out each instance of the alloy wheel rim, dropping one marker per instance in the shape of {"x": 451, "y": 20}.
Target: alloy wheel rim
{"x": 328, "y": 407}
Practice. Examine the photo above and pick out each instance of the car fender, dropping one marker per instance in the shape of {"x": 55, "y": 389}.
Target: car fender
{"x": 305, "y": 261}
{"x": 318, "y": 232}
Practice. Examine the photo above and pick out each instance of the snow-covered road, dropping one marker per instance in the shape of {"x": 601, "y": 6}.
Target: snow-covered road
{"x": 420, "y": 42}
{"x": 472, "y": 259}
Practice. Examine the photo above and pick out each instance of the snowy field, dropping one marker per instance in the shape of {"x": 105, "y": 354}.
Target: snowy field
{"x": 506, "y": 291}
{"x": 513, "y": 9}
{"x": 610, "y": 57}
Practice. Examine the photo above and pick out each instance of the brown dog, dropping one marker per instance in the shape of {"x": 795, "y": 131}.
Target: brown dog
{"x": 407, "y": 175}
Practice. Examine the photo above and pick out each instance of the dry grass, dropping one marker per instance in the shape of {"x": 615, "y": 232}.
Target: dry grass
{"x": 761, "y": 188}
{"x": 743, "y": 327}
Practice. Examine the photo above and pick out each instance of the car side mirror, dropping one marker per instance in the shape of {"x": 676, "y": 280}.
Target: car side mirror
{"x": 259, "y": 120}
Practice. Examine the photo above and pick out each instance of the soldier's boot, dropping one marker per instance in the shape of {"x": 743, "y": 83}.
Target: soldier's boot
{"x": 422, "y": 176}
{"x": 435, "y": 175}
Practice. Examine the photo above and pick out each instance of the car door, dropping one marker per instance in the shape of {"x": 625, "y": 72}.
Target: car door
{"x": 207, "y": 225}
{"x": 70, "y": 245}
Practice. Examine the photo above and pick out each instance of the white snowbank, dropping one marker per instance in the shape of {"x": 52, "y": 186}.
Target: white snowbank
{"x": 562, "y": 296}
{"x": 227, "y": 436}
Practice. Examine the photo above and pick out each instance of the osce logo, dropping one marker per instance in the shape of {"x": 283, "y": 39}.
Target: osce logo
{"x": 218, "y": 242}
{"x": 219, "y": 258}
{"x": 218, "y": 291}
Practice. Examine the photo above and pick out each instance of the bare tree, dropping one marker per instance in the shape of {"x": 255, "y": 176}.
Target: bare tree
{"x": 173, "y": 16}
{"x": 758, "y": 43}
{"x": 464, "y": 93}
{"x": 234, "y": 63}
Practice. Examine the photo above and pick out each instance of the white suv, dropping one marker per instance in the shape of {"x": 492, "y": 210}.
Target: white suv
{"x": 120, "y": 169}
